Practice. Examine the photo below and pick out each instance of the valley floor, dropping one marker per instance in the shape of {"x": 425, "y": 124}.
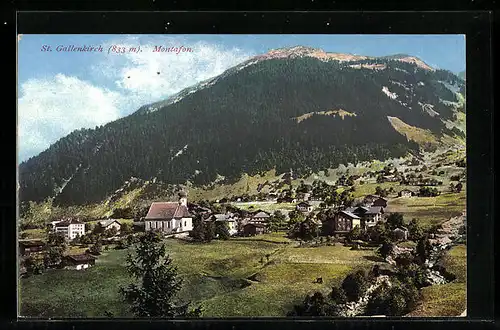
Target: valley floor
{"x": 228, "y": 278}
{"x": 231, "y": 278}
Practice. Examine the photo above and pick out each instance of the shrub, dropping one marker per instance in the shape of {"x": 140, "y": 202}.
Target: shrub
{"x": 354, "y": 285}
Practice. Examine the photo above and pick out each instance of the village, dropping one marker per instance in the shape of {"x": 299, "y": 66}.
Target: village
{"x": 316, "y": 215}
{"x": 319, "y": 207}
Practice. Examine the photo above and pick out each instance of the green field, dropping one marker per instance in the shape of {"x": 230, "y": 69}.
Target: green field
{"x": 447, "y": 299}
{"x": 215, "y": 275}
{"x": 429, "y": 210}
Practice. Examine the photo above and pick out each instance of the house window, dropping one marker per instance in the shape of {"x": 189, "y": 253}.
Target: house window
{"x": 185, "y": 223}
{"x": 168, "y": 224}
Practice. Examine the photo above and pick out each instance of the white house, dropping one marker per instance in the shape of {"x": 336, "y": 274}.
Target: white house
{"x": 406, "y": 193}
{"x": 169, "y": 217}
{"x": 304, "y": 207}
{"x": 110, "y": 223}
{"x": 70, "y": 228}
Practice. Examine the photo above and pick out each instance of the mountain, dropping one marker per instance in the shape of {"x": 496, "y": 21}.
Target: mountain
{"x": 295, "y": 108}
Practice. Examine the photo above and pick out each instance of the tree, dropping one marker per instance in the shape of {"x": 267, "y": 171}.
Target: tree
{"x": 280, "y": 218}
{"x": 385, "y": 249}
{"x": 395, "y": 220}
{"x": 89, "y": 227}
{"x": 57, "y": 239}
{"x": 125, "y": 229}
{"x": 423, "y": 249}
{"x": 354, "y": 234}
{"x": 53, "y": 256}
{"x": 198, "y": 232}
{"x": 415, "y": 230}
{"x": 157, "y": 281}
{"x": 34, "y": 265}
{"x": 208, "y": 231}
{"x": 295, "y": 217}
{"x": 222, "y": 230}
{"x": 96, "y": 248}
{"x": 338, "y": 295}
{"x": 354, "y": 285}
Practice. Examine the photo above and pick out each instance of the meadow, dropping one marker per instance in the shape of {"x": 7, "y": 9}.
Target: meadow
{"x": 447, "y": 299}
{"x": 240, "y": 277}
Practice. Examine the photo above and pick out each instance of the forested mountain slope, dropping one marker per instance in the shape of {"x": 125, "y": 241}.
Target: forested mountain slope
{"x": 296, "y": 108}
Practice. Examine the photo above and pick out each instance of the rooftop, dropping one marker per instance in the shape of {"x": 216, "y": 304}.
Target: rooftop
{"x": 167, "y": 210}
{"x": 81, "y": 257}
{"x": 67, "y": 222}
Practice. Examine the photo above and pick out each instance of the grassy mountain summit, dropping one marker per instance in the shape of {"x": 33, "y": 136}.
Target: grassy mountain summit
{"x": 246, "y": 121}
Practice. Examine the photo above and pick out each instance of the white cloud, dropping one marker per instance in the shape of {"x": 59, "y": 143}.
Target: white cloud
{"x": 176, "y": 70}
{"x": 49, "y": 109}
{"x": 52, "y": 107}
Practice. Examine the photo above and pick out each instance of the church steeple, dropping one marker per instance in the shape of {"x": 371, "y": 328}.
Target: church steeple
{"x": 183, "y": 198}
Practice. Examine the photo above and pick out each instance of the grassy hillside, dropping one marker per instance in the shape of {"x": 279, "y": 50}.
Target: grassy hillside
{"x": 447, "y": 299}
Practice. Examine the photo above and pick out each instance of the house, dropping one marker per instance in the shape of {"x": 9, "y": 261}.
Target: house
{"x": 110, "y": 223}
{"x": 304, "y": 207}
{"x": 70, "y": 228}
{"x": 369, "y": 199}
{"x": 342, "y": 223}
{"x": 369, "y": 215}
{"x": 400, "y": 233}
{"x": 27, "y": 247}
{"x": 79, "y": 261}
{"x": 228, "y": 218}
{"x": 260, "y": 216}
{"x": 169, "y": 217}
{"x": 406, "y": 193}
{"x": 380, "y": 202}
{"x": 251, "y": 229}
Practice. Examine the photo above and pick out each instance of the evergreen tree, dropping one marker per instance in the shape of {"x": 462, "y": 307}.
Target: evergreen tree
{"x": 157, "y": 282}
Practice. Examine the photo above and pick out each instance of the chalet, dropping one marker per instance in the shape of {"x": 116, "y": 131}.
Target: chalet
{"x": 251, "y": 229}
{"x": 110, "y": 223}
{"x": 169, "y": 217}
{"x": 342, "y": 223}
{"x": 400, "y": 233}
{"x": 260, "y": 216}
{"x": 382, "y": 202}
{"x": 70, "y": 228}
{"x": 369, "y": 215}
{"x": 28, "y": 247}
{"x": 228, "y": 218}
{"x": 369, "y": 199}
{"x": 79, "y": 261}
{"x": 406, "y": 193}
{"x": 304, "y": 207}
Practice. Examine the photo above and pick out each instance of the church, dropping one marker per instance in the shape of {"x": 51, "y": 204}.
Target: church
{"x": 169, "y": 217}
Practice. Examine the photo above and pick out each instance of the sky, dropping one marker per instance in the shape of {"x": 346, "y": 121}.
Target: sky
{"x": 59, "y": 92}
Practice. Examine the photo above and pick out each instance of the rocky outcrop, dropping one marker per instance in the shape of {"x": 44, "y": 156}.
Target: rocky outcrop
{"x": 355, "y": 308}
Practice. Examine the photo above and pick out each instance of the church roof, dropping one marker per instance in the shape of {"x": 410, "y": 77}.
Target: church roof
{"x": 167, "y": 210}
